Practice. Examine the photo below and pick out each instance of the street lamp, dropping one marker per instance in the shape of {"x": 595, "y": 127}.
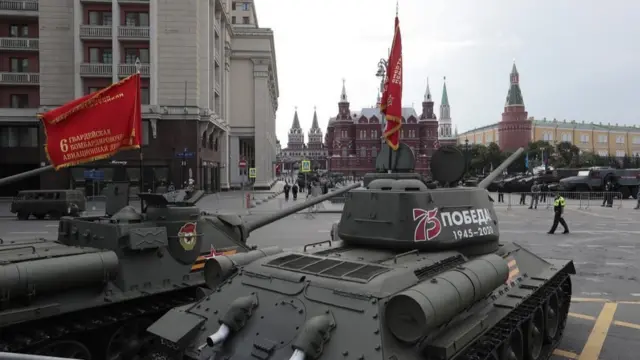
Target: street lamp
{"x": 381, "y": 73}
{"x": 466, "y": 156}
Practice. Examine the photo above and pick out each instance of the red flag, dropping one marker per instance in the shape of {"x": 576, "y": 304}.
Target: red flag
{"x": 391, "y": 102}
{"x": 95, "y": 126}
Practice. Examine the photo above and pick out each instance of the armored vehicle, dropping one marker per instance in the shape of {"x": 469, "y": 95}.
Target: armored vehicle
{"x": 92, "y": 293}
{"x": 414, "y": 273}
{"x": 625, "y": 181}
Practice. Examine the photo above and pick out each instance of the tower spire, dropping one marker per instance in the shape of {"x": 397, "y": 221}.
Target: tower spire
{"x": 445, "y": 96}
{"x": 315, "y": 125}
{"x": 343, "y": 94}
{"x": 427, "y": 93}
{"x": 514, "y": 95}
{"x": 296, "y": 121}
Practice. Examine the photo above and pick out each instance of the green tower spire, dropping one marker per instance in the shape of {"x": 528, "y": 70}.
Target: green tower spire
{"x": 514, "y": 96}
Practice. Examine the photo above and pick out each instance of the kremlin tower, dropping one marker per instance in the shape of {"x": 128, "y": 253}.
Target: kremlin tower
{"x": 514, "y": 130}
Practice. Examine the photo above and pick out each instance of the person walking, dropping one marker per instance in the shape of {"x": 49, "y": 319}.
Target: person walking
{"x": 287, "y": 188}
{"x": 501, "y": 192}
{"x": 294, "y": 191}
{"x": 558, "y": 210}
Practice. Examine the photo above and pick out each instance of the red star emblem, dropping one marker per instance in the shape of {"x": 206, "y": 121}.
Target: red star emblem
{"x": 213, "y": 253}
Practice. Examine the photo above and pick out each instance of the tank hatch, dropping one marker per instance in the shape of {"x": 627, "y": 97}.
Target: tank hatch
{"x": 127, "y": 215}
{"x": 448, "y": 165}
{"x": 332, "y": 268}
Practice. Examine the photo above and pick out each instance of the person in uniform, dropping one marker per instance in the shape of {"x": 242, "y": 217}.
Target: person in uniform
{"x": 501, "y": 192}
{"x": 558, "y": 210}
{"x": 535, "y": 193}
{"x": 287, "y": 188}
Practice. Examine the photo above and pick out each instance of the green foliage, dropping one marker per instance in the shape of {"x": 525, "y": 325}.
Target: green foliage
{"x": 563, "y": 155}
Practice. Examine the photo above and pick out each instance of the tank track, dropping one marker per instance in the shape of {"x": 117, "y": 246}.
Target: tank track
{"x": 28, "y": 337}
{"x": 488, "y": 346}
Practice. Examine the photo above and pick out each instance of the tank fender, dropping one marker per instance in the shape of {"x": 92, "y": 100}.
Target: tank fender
{"x": 219, "y": 268}
{"x": 413, "y": 313}
{"x": 177, "y": 326}
{"x": 230, "y": 219}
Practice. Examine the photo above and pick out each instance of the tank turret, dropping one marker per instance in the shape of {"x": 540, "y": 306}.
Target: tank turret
{"x": 403, "y": 213}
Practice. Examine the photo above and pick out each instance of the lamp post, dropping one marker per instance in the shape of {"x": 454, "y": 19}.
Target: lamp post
{"x": 381, "y": 73}
{"x": 466, "y": 156}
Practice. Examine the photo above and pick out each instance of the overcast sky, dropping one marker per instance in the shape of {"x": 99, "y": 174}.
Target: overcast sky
{"x": 578, "y": 60}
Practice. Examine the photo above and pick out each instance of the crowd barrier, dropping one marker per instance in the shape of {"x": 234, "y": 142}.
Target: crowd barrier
{"x": 581, "y": 200}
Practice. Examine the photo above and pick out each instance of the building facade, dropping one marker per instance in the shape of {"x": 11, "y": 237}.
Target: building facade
{"x": 354, "y": 138}
{"x": 517, "y": 129}
{"x": 60, "y": 50}
{"x": 298, "y": 150}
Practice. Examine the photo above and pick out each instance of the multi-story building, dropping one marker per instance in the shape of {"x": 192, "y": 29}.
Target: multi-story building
{"x": 518, "y": 129}
{"x": 192, "y": 60}
{"x": 297, "y": 150}
{"x": 353, "y": 138}
{"x": 243, "y": 14}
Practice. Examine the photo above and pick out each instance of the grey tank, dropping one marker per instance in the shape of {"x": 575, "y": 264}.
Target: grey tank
{"x": 382, "y": 289}
{"x": 94, "y": 290}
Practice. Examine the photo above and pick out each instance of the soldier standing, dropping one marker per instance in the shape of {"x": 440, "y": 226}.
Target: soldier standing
{"x": 535, "y": 192}
{"x": 501, "y": 192}
{"x": 558, "y": 210}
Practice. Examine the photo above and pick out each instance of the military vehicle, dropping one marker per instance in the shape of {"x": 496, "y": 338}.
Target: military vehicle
{"x": 625, "y": 181}
{"x": 92, "y": 293}
{"x": 414, "y": 273}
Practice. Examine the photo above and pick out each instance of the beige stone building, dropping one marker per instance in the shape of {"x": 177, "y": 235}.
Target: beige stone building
{"x": 600, "y": 138}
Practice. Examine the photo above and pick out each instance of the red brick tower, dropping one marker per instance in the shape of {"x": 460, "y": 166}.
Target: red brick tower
{"x": 428, "y": 133}
{"x": 515, "y": 128}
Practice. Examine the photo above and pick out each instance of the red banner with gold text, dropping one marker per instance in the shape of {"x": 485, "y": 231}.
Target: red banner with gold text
{"x": 391, "y": 102}
{"x": 95, "y": 126}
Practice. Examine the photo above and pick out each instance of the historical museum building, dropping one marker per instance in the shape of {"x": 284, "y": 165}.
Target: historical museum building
{"x": 205, "y": 94}
{"x": 297, "y": 150}
{"x": 354, "y": 138}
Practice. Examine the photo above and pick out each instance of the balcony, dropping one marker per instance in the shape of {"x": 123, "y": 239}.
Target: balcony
{"x": 128, "y": 69}
{"x": 133, "y": 32}
{"x": 96, "y": 70}
{"x": 95, "y": 32}
{"x": 133, "y": 1}
{"x": 19, "y": 115}
{"x": 16, "y": 78}
{"x": 19, "y": 7}
{"x": 19, "y": 44}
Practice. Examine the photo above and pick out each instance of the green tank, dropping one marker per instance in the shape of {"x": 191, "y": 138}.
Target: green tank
{"x": 92, "y": 293}
{"x": 413, "y": 273}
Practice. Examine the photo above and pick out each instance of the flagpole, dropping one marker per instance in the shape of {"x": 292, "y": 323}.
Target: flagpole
{"x": 140, "y": 150}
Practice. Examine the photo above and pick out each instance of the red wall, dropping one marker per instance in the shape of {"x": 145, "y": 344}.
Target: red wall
{"x": 34, "y": 30}
{"x": 5, "y": 60}
{"x": 7, "y": 91}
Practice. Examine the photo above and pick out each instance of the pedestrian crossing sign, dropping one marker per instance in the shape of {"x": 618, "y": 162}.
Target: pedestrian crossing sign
{"x": 252, "y": 173}
{"x": 306, "y": 166}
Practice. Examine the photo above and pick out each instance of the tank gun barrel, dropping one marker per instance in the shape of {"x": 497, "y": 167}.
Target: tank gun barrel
{"x": 15, "y": 356}
{"x": 497, "y": 171}
{"x": 24, "y": 175}
{"x": 256, "y": 224}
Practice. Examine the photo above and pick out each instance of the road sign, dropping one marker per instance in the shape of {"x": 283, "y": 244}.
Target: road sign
{"x": 186, "y": 155}
{"x": 252, "y": 173}
{"x": 306, "y": 166}
{"x": 242, "y": 164}
{"x": 94, "y": 174}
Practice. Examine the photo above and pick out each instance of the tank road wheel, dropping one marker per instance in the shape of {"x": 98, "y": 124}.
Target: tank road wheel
{"x": 535, "y": 335}
{"x": 552, "y": 319}
{"x": 513, "y": 348}
{"x": 130, "y": 341}
{"x": 66, "y": 349}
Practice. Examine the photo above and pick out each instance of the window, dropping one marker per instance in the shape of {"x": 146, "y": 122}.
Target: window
{"x": 547, "y": 136}
{"x": 100, "y": 18}
{"x": 636, "y": 140}
{"x": 344, "y": 152}
{"x": 584, "y": 138}
{"x": 244, "y": 6}
{"x": 363, "y": 152}
{"x": 602, "y": 139}
{"x": 11, "y": 137}
{"x": 91, "y": 90}
{"x": 136, "y": 19}
{"x": 233, "y": 5}
{"x": 233, "y": 19}
{"x": 130, "y": 56}
{"x": 374, "y": 134}
{"x": 603, "y": 152}
{"x": 566, "y": 137}
{"x": 620, "y": 153}
{"x": 100, "y": 56}
{"x": 19, "y": 101}
{"x": 19, "y": 31}
{"x": 145, "y": 133}
{"x": 19, "y": 65}
{"x": 489, "y": 137}
{"x": 245, "y": 20}
{"x": 144, "y": 94}
{"x": 620, "y": 139}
